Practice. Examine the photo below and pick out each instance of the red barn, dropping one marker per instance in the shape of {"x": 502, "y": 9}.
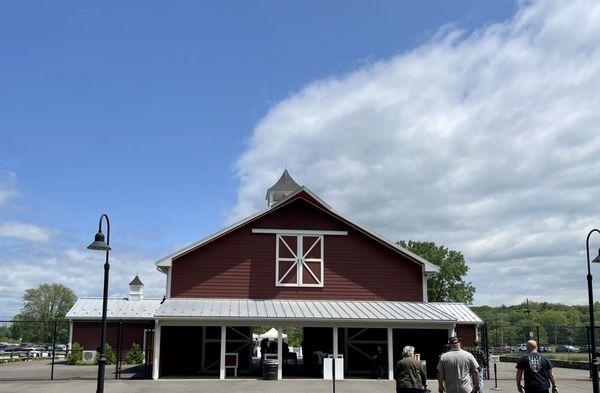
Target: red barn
{"x": 298, "y": 263}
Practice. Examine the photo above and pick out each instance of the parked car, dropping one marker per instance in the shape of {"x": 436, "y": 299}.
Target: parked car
{"x": 504, "y": 348}
{"x": 566, "y": 348}
{"x": 522, "y": 347}
{"x": 544, "y": 348}
{"x": 584, "y": 349}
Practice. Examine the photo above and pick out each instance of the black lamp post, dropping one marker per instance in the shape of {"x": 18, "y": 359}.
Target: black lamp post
{"x": 101, "y": 245}
{"x": 592, "y": 348}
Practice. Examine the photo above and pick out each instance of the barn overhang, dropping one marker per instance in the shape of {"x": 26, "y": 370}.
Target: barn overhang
{"x": 301, "y": 312}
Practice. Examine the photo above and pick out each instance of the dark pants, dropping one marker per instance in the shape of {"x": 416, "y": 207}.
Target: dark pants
{"x": 377, "y": 371}
{"x": 537, "y": 390}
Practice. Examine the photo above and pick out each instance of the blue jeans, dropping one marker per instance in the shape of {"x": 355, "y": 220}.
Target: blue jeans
{"x": 481, "y": 378}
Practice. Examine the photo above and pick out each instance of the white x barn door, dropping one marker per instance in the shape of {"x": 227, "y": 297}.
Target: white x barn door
{"x": 299, "y": 260}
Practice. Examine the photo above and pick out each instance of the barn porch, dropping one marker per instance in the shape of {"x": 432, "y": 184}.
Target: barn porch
{"x": 352, "y": 329}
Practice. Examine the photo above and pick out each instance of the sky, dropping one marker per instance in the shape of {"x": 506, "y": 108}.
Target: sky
{"x": 471, "y": 124}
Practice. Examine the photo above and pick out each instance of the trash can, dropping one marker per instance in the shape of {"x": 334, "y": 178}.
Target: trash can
{"x": 328, "y": 364}
{"x": 270, "y": 369}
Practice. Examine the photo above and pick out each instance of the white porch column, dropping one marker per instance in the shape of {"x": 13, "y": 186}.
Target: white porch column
{"x": 335, "y": 352}
{"x": 70, "y": 335}
{"x": 335, "y": 342}
{"x": 155, "y": 363}
{"x": 223, "y": 349}
{"x": 390, "y": 339}
{"x": 280, "y": 352}
{"x": 452, "y": 330}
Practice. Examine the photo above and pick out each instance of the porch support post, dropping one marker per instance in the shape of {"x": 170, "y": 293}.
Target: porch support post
{"x": 280, "y": 352}
{"x": 156, "y": 349}
{"x": 223, "y": 349}
{"x": 70, "y": 335}
{"x": 390, "y": 340}
{"x": 452, "y": 330}
{"x": 335, "y": 351}
{"x": 335, "y": 342}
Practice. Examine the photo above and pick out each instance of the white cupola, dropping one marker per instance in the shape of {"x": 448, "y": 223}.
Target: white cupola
{"x": 136, "y": 289}
{"x": 281, "y": 189}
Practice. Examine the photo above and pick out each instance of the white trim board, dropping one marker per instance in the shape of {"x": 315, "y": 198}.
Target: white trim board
{"x": 299, "y": 232}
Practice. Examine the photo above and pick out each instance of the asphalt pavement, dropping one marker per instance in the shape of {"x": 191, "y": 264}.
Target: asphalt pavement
{"x": 32, "y": 377}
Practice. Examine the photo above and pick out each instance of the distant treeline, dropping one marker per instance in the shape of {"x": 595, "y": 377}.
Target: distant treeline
{"x": 554, "y": 323}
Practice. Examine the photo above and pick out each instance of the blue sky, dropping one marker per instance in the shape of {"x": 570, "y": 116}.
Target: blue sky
{"x": 142, "y": 108}
{"x": 149, "y": 111}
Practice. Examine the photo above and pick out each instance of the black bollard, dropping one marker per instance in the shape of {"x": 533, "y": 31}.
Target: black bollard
{"x": 496, "y": 375}
{"x": 333, "y": 374}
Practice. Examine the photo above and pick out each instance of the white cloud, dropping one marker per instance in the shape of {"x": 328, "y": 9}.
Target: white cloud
{"x": 31, "y": 255}
{"x": 486, "y": 142}
{"x": 25, "y": 232}
{"x": 8, "y": 187}
{"x": 79, "y": 269}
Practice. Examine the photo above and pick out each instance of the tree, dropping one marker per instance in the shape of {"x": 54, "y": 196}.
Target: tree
{"x": 135, "y": 355}
{"x": 44, "y": 304}
{"x": 448, "y": 285}
{"x": 557, "y": 323}
{"x": 75, "y": 355}
{"x": 111, "y": 358}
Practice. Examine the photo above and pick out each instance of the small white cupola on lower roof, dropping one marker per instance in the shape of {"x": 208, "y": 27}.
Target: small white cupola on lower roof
{"x": 281, "y": 189}
{"x": 136, "y": 289}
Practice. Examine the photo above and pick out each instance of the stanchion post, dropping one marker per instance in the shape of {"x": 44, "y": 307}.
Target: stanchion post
{"x": 119, "y": 349}
{"x": 333, "y": 372}
{"x": 53, "y": 351}
{"x": 496, "y": 375}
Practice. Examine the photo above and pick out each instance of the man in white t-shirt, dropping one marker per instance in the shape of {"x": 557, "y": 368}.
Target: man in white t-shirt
{"x": 457, "y": 370}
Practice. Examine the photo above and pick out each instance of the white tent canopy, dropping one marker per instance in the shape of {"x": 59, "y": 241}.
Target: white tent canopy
{"x": 271, "y": 335}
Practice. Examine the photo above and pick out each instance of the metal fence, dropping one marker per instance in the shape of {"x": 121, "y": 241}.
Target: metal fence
{"x": 554, "y": 337}
{"x": 562, "y": 342}
{"x": 44, "y": 346}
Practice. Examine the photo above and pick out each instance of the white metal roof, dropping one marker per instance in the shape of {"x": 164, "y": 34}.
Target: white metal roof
{"x": 301, "y": 310}
{"x": 165, "y": 262}
{"x": 460, "y": 311}
{"x": 91, "y": 308}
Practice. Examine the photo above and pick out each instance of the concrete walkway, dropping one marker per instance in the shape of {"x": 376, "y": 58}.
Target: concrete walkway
{"x": 569, "y": 381}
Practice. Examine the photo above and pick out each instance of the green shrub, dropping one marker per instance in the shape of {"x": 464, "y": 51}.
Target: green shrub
{"x": 135, "y": 355}
{"x": 111, "y": 358}
{"x": 76, "y": 354}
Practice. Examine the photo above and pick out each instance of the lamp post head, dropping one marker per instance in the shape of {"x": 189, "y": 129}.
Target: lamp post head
{"x": 597, "y": 259}
{"x": 99, "y": 243}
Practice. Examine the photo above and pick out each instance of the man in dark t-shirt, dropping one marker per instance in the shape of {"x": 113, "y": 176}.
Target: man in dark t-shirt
{"x": 538, "y": 371}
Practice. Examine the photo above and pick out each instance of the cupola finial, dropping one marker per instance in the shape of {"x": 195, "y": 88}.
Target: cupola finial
{"x": 282, "y": 188}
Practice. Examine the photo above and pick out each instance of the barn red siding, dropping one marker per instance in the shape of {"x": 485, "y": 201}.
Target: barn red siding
{"x": 242, "y": 264}
{"x": 467, "y": 334}
{"x": 88, "y": 334}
